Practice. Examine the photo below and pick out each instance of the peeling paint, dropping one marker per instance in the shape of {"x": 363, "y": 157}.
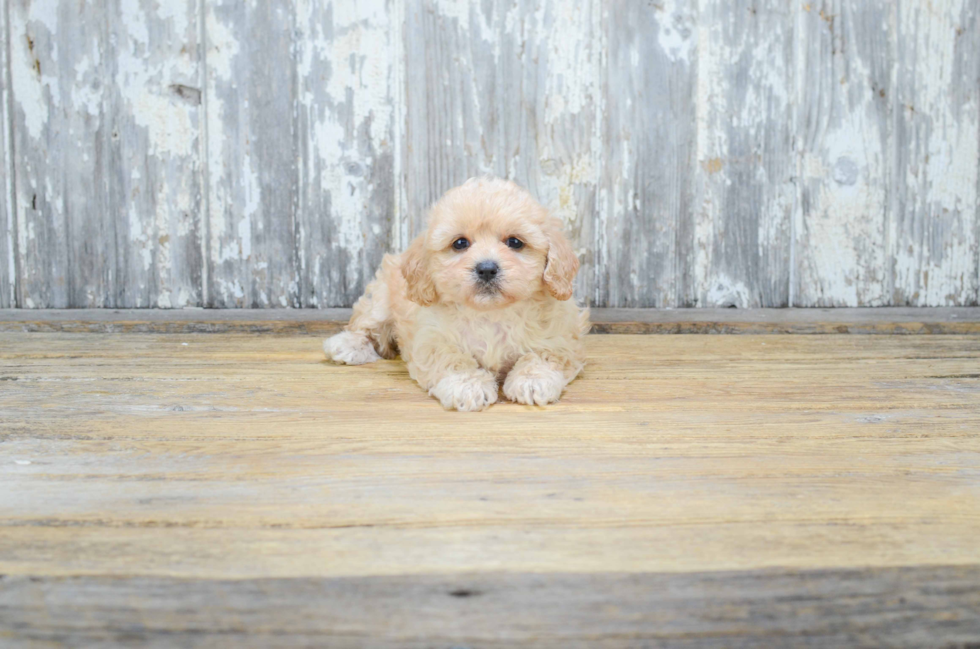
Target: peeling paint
{"x": 32, "y": 92}
{"x": 508, "y": 98}
{"x": 222, "y": 46}
{"x": 677, "y": 31}
{"x": 727, "y": 292}
{"x": 699, "y": 153}
{"x": 933, "y": 225}
{"x": 150, "y": 103}
{"x": 842, "y": 254}
{"x": 347, "y": 115}
{"x": 745, "y": 188}
{"x": 8, "y": 250}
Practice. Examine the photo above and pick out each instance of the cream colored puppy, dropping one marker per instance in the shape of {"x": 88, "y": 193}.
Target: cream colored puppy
{"x": 481, "y": 296}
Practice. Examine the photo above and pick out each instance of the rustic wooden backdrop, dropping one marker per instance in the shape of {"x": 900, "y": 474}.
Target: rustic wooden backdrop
{"x": 232, "y": 153}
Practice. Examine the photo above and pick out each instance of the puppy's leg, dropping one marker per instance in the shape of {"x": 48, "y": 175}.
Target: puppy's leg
{"x": 369, "y": 332}
{"x": 452, "y": 377}
{"x": 466, "y": 391}
{"x": 350, "y": 348}
{"x": 537, "y": 380}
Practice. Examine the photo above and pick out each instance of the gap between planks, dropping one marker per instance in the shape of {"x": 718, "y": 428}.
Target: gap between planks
{"x": 319, "y": 322}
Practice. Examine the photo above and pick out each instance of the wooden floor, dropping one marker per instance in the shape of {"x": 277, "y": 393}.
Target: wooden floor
{"x": 235, "y": 490}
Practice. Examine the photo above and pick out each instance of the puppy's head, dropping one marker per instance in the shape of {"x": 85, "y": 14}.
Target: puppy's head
{"x": 489, "y": 244}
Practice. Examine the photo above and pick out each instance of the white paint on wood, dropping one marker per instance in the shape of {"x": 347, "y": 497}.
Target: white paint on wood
{"x": 649, "y": 133}
{"x": 936, "y": 113}
{"x": 346, "y": 122}
{"x": 8, "y": 266}
{"x": 105, "y": 126}
{"x": 508, "y": 88}
{"x": 749, "y": 153}
{"x": 62, "y": 222}
{"x": 170, "y": 131}
{"x": 843, "y": 135}
{"x": 252, "y": 165}
{"x": 745, "y": 161}
{"x": 27, "y": 79}
{"x": 155, "y": 176}
{"x": 399, "y": 237}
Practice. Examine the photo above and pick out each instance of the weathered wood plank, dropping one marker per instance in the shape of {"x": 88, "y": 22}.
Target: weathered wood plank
{"x": 509, "y": 88}
{"x": 211, "y": 489}
{"x": 746, "y": 161}
{"x": 8, "y": 251}
{"x": 646, "y": 246}
{"x": 106, "y": 127}
{"x": 252, "y": 115}
{"x": 154, "y": 173}
{"x": 320, "y": 322}
{"x": 65, "y": 231}
{"x": 936, "y": 109}
{"x": 844, "y": 126}
{"x": 903, "y": 607}
{"x": 224, "y": 457}
{"x": 346, "y": 59}
{"x": 202, "y": 490}
{"x": 660, "y": 133}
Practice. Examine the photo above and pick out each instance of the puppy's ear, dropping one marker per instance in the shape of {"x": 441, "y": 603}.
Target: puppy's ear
{"x": 415, "y": 270}
{"x": 562, "y": 263}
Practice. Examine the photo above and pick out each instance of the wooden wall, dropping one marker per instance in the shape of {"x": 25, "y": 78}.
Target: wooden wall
{"x": 238, "y": 153}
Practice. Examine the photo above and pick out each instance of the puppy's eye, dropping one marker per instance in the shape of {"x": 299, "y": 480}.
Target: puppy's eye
{"x": 461, "y": 244}
{"x": 515, "y": 243}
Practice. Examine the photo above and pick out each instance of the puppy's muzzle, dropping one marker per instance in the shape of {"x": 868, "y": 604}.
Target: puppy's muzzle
{"x": 487, "y": 272}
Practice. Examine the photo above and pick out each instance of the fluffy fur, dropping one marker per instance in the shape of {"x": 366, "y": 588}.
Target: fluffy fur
{"x": 462, "y": 335}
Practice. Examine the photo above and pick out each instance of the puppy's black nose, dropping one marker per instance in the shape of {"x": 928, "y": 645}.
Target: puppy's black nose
{"x": 487, "y": 270}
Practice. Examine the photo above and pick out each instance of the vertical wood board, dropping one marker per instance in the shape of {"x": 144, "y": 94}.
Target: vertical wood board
{"x": 345, "y": 127}
{"x": 8, "y": 262}
{"x": 746, "y": 163}
{"x": 507, "y": 88}
{"x": 936, "y": 112}
{"x": 844, "y": 138}
{"x": 646, "y": 231}
{"x": 59, "y": 116}
{"x": 253, "y": 170}
{"x": 153, "y": 171}
{"x": 105, "y": 126}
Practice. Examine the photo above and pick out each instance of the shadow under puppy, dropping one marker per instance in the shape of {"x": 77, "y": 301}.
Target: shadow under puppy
{"x": 481, "y": 296}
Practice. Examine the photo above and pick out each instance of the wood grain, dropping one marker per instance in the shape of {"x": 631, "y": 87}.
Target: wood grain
{"x": 346, "y": 57}
{"x": 107, "y": 166}
{"x": 936, "y": 108}
{"x": 60, "y": 123}
{"x": 300, "y": 151}
{"x": 8, "y": 234}
{"x": 746, "y": 174}
{"x": 242, "y": 154}
{"x": 646, "y": 243}
{"x": 323, "y": 322}
{"x": 154, "y": 171}
{"x": 253, "y": 172}
{"x": 490, "y": 89}
{"x": 844, "y": 128}
{"x": 907, "y": 607}
{"x": 686, "y": 489}
{"x": 247, "y": 456}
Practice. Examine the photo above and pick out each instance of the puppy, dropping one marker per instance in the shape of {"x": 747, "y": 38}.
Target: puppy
{"x": 481, "y": 297}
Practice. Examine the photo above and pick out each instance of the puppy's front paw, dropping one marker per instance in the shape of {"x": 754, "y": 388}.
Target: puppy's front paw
{"x": 350, "y": 348}
{"x": 534, "y": 385}
{"x": 466, "y": 392}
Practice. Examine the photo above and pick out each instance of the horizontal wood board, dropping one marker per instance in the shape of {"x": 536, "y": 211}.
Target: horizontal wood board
{"x": 686, "y": 491}
{"x": 883, "y": 320}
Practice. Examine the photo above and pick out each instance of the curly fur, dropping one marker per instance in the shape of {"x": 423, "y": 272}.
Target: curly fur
{"x": 459, "y": 338}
